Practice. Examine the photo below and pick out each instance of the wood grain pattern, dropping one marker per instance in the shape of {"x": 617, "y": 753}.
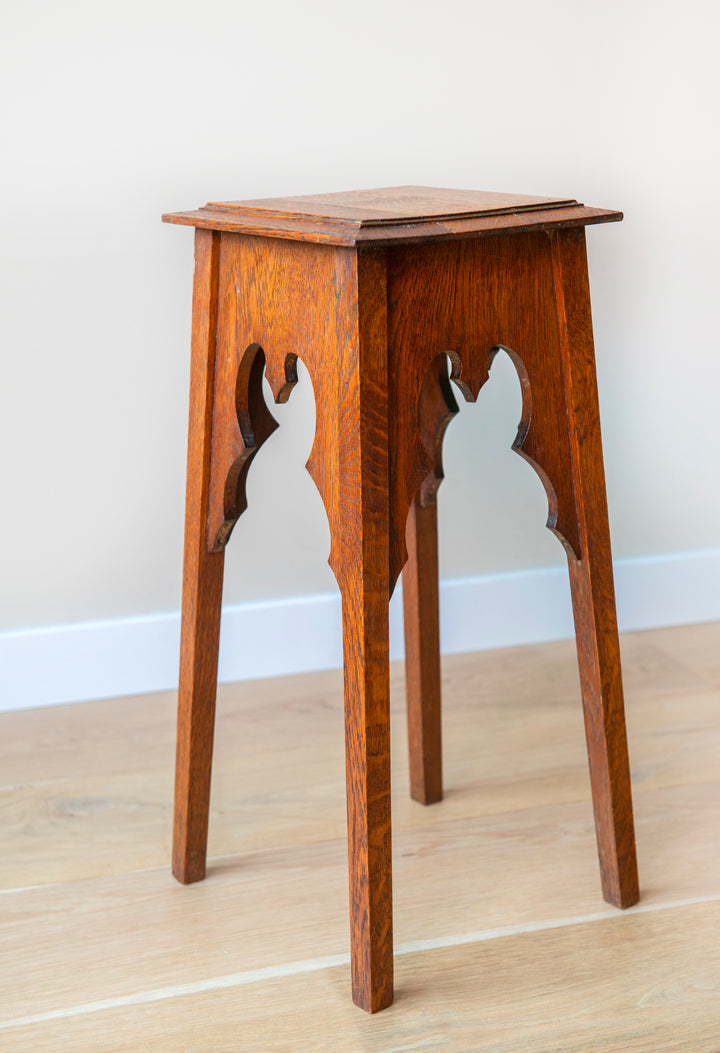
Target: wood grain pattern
{"x": 591, "y": 580}
{"x": 436, "y": 407}
{"x": 72, "y": 808}
{"x": 238, "y": 387}
{"x": 631, "y": 985}
{"x": 376, "y": 323}
{"x": 413, "y": 204}
{"x": 435, "y": 306}
{"x": 390, "y": 215}
{"x": 535, "y": 305}
{"x": 276, "y": 300}
{"x": 362, "y": 571}
{"x": 355, "y": 232}
{"x": 510, "y": 844}
{"x": 202, "y": 586}
{"x": 422, "y": 652}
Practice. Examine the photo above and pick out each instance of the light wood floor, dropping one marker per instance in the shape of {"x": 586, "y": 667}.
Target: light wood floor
{"x": 503, "y": 941}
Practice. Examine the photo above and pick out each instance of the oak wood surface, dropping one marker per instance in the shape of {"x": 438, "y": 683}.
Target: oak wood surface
{"x": 512, "y": 843}
{"x": 413, "y": 204}
{"x": 349, "y": 232}
{"x": 277, "y": 300}
{"x": 628, "y": 986}
{"x": 390, "y": 214}
{"x": 202, "y": 585}
{"x": 591, "y": 581}
{"x": 361, "y": 566}
{"x": 376, "y": 326}
{"x": 468, "y": 299}
{"x": 536, "y": 304}
{"x": 72, "y": 808}
{"x": 422, "y": 653}
{"x": 263, "y": 910}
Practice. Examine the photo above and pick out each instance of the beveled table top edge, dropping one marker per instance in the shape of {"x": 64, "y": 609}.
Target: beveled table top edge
{"x": 390, "y": 215}
{"x": 353, "y": 232}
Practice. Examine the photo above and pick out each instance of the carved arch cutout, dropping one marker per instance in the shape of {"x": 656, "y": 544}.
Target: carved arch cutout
{"x": 562, "y": 522}
{"x": 436, "y": 408}
{"x": 416, "y": 433}
{"x": 235, "y": 444}
{"x": 566, "y": 531}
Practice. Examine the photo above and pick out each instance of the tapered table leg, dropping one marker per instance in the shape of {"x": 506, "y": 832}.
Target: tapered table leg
{"x": 422, "y": 652}
{"x": 591, "y": 579}
{"x": 367, "y": 727}
{"x": 360, "y": 559}
{"x": 202, "y": 587}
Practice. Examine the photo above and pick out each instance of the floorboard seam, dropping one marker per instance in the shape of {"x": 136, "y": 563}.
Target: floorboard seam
{"x": 309, "y": 965}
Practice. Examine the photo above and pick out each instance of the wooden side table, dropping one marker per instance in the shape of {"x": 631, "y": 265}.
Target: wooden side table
{"x": 375, "y": 290}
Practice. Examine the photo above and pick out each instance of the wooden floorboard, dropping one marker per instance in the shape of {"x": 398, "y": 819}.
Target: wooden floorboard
{"x": 91, "y": 913}
{"x": 594, "y": 987}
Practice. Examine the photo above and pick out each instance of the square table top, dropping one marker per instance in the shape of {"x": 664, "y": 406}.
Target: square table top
{"x": 390, "y": 215}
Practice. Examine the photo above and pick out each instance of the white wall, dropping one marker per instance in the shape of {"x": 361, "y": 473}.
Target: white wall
{"x": 114, "y": 114}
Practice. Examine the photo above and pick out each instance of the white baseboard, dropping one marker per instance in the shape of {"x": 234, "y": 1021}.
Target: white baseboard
{"x": 127, "y": 656}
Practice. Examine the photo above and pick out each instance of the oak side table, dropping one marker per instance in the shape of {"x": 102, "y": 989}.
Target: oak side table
{"x": 376, "y": 290}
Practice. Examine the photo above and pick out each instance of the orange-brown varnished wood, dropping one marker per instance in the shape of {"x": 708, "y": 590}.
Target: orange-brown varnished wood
{"x": 436, "y": 406}
{"x": 238, "y": 399}
{"x": 362, "y": 571}
{"x": 413, "y": 204}
{"x": 470, "y": 298}
{"x": 388, "y": 296}
{"x": 591, "y": 580}
{"x": 91, "y": 922}
{"x": 277, "y": 300}
{"x": 202, "y": 585}
{"x": 422, "y": 652}
{"x": 390, "y": 215}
